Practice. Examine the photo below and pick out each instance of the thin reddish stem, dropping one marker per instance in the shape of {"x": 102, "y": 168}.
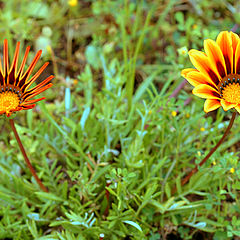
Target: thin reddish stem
{"x": 178, "y": 89}
{"x": 107, "y": 194}
{"x": 186, "y": 179}
{"x": 26, "y": 157}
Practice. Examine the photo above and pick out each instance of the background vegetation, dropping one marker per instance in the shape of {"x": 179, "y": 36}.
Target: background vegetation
{"x": 120, "y": 128}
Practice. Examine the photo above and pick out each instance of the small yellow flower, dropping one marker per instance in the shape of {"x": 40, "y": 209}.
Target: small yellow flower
{"x": 150, "y": 112}
{"x": 199, "y": 153}
{"x": 75, "y": 81}
{"x": 232, "y": 170}
{"x": 72, "y": 3}
{"x": 202, "y": 129}
{"x": 49, "y": 48}
{"x": 214, "y": 163}
{"x": 183, "y": 51}
{"x": 194, "y": 26}
{"x": 174, "y": 113}
{"x": 187, "y": 115}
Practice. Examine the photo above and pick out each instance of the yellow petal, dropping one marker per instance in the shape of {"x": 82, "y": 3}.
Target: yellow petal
{"x": 185, "y": 71}
{"x": 203, "y": 64}
{"x": 211, "y": 104}
{"x": 206, "y": 91}
{"x": 224, "y": 41}
{"x": 215, "y": 55}
{"x": 237, "y": 59}
{"x": 196, "y": 78}
{"x": 226, "y": 105}
{"x": 235, "y": 40}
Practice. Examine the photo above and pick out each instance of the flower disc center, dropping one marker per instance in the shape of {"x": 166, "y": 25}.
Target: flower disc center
{"x": 230, "y": 88}
{"x": 8, "y": 101}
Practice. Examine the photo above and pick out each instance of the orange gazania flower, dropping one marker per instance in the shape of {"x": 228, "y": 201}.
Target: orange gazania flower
{"x": 15, "y": 94}
{"x": 217, "y": 74}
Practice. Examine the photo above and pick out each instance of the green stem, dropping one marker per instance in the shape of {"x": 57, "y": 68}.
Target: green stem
{"x": 186, "y": 179}
{"x": 26, "y": 157}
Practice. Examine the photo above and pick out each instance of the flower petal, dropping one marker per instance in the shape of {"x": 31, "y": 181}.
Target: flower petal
{"x": 203, "y": 64}
{"x": 215, "y": 55}
{"x": 235, "y": 39}
{"x": 224, "y": 41}
{"x": 25, "y": 87}
{"x": 196, "y": 78}
{"x": 237, "y": 59}
{"x": 28, "y": 72}
{"x": 5, "y": 57}
{"x": 13, "y": 69}
{"x": 211, "y": 104}
{"x": 226, "y": 105}
{"x": 206, "y": 91}
{"x": 184, "y": 72}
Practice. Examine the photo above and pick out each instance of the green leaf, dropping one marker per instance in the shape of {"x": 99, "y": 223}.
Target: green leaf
{"x": 92, "y": 56}
{"x": 37, "y": 9}
{"x": 133, "y": 224}
{"x": 48, "y": 196}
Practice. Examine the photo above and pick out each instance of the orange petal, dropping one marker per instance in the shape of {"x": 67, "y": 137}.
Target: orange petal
{"x": 41, "y": 84}
{"x": 224, "y": 41}
{"x": 5, "y": 57}
{"x": 33, "y": 79}
{"x": 31, "y": 95}
{"x": 203, "y": 64}
{"x": 21, "y": 69}
{"x": 2, "y": 79}
{"x": 195, "y": 78}
{"x": 215, "y": 55}
{"x": 211, "y": 104}
{"x": 28, "y": 72}
{"x": 235, "y": 40}
{"x": 26, "y": 107}
{"x": 226, "y": 105}
{"x": 20, "y": 72}
{"x": 33, "y": 101}
{"x": 206, "y": 91}
{"x": 185, "y": 71}
{"x": 237, "y": 59}
{"x": 13, "y": 69}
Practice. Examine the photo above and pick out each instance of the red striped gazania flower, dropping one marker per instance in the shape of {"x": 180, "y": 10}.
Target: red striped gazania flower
{"x": 216, "y": 76}
{"x": 15, "y": 94}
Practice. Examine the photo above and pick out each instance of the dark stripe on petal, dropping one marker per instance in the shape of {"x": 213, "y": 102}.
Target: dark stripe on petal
{"x": 220, "y": 69}
{"x": 26, "y": 107}
{"x": 238, "y": 66}
{"x": 11, "y": 77}
{"x": 215, "y": 94}
{"x": 6, "y": 79}
{"x": 213, "y": 76}
{"x": 1, "y": 79}
{"x": 17, "y": 79}
{"x": 234, "y": 63}
{"x": 228, "y": 64}
{"x": 22, "y": 81}
{"x": 27, "y": 94}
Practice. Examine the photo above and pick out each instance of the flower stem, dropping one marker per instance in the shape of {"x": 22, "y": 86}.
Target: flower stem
{"x": 26, "y": 157}
{"x": 186, "y": 179}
